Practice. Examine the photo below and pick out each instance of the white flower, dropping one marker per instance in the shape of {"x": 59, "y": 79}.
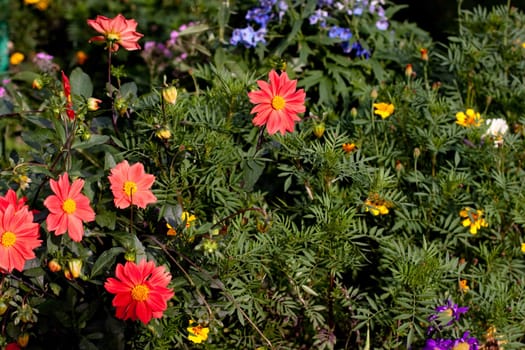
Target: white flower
{"x": 497, "y": 128}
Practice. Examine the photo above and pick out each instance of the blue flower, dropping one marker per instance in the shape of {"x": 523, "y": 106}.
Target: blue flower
{"x": 360, "y": 51}
{"x": 248, "y": 37}
{"x": 319, "y": 16}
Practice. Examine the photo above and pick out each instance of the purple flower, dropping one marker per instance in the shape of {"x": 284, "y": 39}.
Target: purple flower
{"x": 472, "y": 342}
{"x": 43, "y": 56}
{"x": 3, "y": 92}
{"x": 382, "y": 24}
{"x": 248, "y": 37}
{"x": 446, "y": 315}
{"x": 360, "y": 51}
{"x": 438, "y": 344}
{"x": 320, "y": 17}
{"x": 339, "y": 33}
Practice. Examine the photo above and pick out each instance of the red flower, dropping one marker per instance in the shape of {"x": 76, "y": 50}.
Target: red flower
{"x": 131, "y": 185}
{"x": 140, "y": 290}
{"x": 12, "y": 346}
{"x": 116, "y": 31}
{"x": 277, "y": 103}
{"x": 67, "y": 92}
{"x": 18, "y": 237}
{"x": 11, "y": 198}
{"x": 68, "y": 208}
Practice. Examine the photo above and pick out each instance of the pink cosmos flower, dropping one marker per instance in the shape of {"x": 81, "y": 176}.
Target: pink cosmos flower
{"x": 141, "y": 291}
{"x": 278, "y": 103}
{"x": 68, "y": 208}
{"x": 116, "y": 31}
{"x": 19, "y": 235}
{"x": 67, "y": 92}
{"x": 131, "y": 185}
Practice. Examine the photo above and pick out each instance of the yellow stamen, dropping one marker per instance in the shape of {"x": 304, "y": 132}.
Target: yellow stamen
{"x": 8, "y": 239}
{"x": 140, "y": 293}
{"x": 130, "y": 188}
{"x": 113, "y": 37}
{"x": 69, "y": 206}
{"x": 461, "y": 346}
{"x": 278, "y": 102}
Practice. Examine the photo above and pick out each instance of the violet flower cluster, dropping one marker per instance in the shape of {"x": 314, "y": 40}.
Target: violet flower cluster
{"x": 321, "y": 17}
{"x": 445, "y": 316}
{"x": 260, "y": 16}
{"x": 171, "y": 48}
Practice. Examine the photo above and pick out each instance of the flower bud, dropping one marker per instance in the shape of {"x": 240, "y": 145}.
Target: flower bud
{"x": 319, "y": 130}
{"x": 417, "y": 152}
{"x": 210, "y": 245}
{"x": 3, "y": 307}
{"x": 424, "y": 54}
{"x": 81, "y": 57}
{"x": 163, "y": 133}
{"x": 54, "y": 266}
{"x": 169, "y": 94}
{"x": 373, "y": 94}
{"x": 75, "y": 267}
{"x": 408, "y": 70}
{"x": 23, "y": 339}
{"x": 130, "y": 255}
{"x": 353, "y": 112}
{"x": 37, "y": 84}
{"x": 93, "y": 103}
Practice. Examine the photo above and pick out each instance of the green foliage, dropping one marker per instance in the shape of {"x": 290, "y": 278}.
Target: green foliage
{"x": 344, "y": 234}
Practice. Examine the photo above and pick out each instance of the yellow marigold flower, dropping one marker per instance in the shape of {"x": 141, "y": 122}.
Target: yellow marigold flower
{"x": 163, "y": 133}
{"x": 523, "y": 44}
{"x": 469, "y": 118}
{"x": 463, "y": 286}
{"x": 474, "y": 219}
{"x": 385, "y": 110}
{"x": 197, "y": 333}
{"x": 31, "y": 2}
{"x": 37, "y": 84}
{"x": 187, "y": 218}
{"x": 349, "y": 147}
{"x": 376, "y": 206}
{"x": 42, "y": 5}
{"x": 16, "y": 58}
{"x": 523, "y": 247}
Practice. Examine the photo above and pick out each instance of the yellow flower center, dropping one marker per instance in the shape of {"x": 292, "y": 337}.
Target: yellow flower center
{"x": 69, "y": 206}
{"x": 130, "y": 188}
{"x": 140, "y": 292}
{"x": 113, "y": 36}
{"x": 278, "y": 103}
{"x": 8, "y": 239}
{"x": 461, "y": 346}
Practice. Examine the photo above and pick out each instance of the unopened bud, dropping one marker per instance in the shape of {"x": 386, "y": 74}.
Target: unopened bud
{"x": 319, "y": 130}
{"x": 353, "y": 112}
{"x": 417, "y": 152}
{"x": 424, "y": 54}
{"x": 408, "y": 70}
{"x": 163, "y": 133}
{"x": 93, "y": 103}
{"x": 23, "y": 339}
{"x": 169, "y": 94}
{"x": 373, "y": 94}
{"x": 75, "y": 267}
{"x": 54, "y": 266}
{"x": 38, "y": 84}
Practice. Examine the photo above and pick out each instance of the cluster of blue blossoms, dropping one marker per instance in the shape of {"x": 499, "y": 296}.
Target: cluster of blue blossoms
{"x": 321, "y": 17}
{"x": 445, "y": 316}
{"x": 248, "y": 36}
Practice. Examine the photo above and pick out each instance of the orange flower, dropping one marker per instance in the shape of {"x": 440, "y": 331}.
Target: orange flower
{"x": 81, "y": 57}
{"x": 424, "y": 54}
{"x": 67, "y": 92}
{"x": 463, "y": 286}
{"x": 383, "y": 109}
{"x": 348, "y": 147}
{"x": 277, "y": 103}
{"x": 131, "y": 185}
{"x": 141, "y": 291}
{"x": 18, "y": 237}
{"x": 68, "y": 208}
{"x": 116, "y": 31}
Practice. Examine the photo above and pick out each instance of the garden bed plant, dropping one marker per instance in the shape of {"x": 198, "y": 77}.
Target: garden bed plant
{"x": 271, "y": 174}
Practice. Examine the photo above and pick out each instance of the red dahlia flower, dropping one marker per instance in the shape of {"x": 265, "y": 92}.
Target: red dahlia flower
{"x": 19, "y": 235}
{"x": 141, "y": 291}
{"x": 278, "y": 103}
{"x": 116, "y": 31}
{"x": 68, "y": 208}
{"x": 131, "y": 185}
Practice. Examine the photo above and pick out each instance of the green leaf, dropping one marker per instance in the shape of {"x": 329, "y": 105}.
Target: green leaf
{"x": 105, "y": 260}
{"x": 81, "y": 84}
{"x": 92, "y": 141}
{"x": 106, "y": 219}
